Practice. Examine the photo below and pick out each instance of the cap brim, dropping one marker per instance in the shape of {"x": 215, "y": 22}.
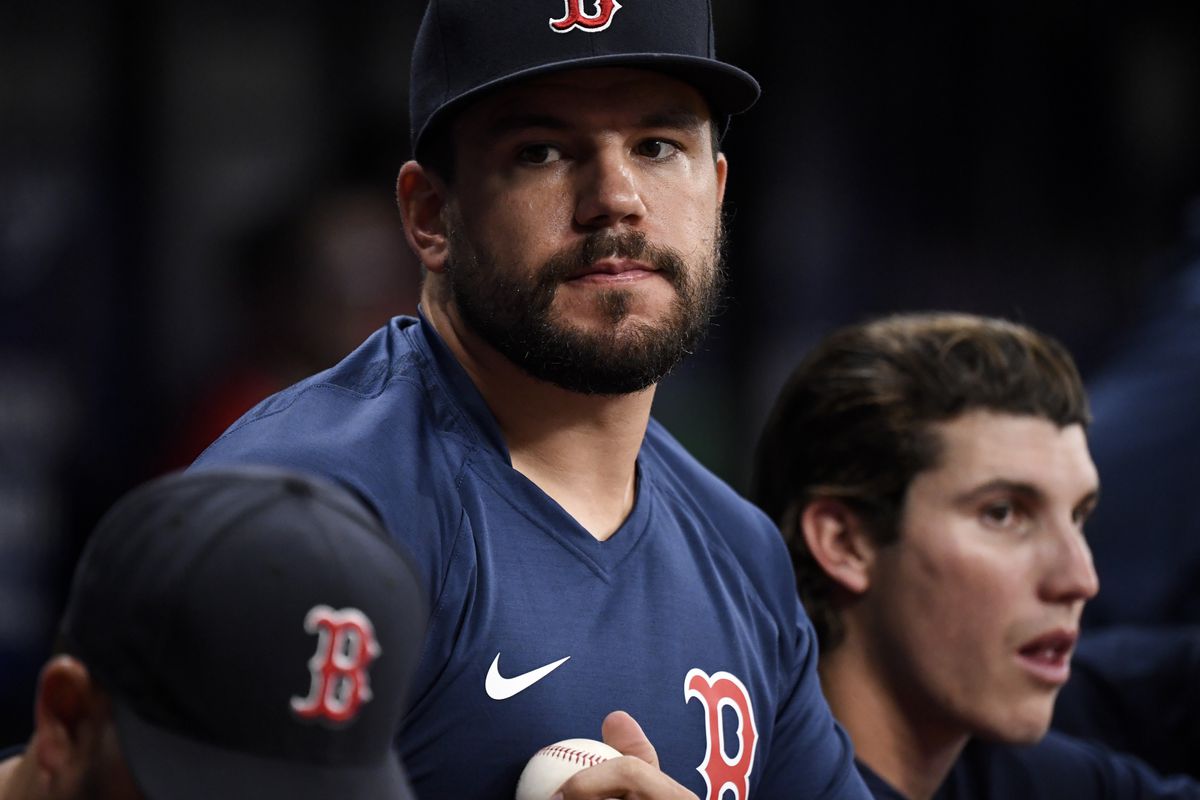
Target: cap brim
{"x": 167, "y": 766}
{"x": 729, "y": 90}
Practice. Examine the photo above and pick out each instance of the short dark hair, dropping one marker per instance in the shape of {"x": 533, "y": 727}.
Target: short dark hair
{"x": 853, "y": 421}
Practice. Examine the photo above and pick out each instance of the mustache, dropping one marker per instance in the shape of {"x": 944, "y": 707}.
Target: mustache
{"x": 604, "y": 244}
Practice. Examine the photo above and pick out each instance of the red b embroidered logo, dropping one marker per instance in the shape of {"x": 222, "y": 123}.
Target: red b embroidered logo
{"x": 345, "y": 646}
{"x": 575, "y": 18}
{"x": 721, "y": 771}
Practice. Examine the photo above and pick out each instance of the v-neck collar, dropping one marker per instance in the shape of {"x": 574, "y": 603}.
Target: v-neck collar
{"x": 492, "y": 461}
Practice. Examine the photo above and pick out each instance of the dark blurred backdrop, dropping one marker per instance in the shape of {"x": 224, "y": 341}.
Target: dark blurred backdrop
{"x": 195, "y": 208}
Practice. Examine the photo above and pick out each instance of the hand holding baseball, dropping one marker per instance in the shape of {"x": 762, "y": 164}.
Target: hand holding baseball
{"x": 632, "y": 773}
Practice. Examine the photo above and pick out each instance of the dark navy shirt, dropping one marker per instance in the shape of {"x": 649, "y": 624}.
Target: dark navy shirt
{"x": 687, "y": 617}
{"x": 1056, "y": 768}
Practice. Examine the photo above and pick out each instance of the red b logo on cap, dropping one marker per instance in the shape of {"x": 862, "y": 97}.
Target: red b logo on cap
{"x": 345, "y": 646}
{"x": 575, "y": 17}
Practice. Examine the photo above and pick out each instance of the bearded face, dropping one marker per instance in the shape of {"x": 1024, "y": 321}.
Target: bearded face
{"x": 514, "y": 310}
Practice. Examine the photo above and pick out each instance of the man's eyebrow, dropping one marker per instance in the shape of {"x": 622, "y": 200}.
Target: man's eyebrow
{"x": 1021, "y": 488}
{"x": 1001, "y": 485}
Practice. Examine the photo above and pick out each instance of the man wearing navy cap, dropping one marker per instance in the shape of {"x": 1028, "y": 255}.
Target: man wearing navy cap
{"x": 565, "y": 202}
{"x": 237, "y": 633}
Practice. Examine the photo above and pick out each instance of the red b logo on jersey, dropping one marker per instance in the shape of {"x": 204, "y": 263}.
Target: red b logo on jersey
{"x": 345, "y": 646}
{"x": 721, "y": 771}
{"x": 576, "y": 18}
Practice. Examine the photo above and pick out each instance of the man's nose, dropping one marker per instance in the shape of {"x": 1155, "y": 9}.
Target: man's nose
{"x": 609, "y": 191}
{"x": 1070, "y": 574}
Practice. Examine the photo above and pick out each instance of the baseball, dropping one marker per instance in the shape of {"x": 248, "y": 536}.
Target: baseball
{"x": 553, "y": 764}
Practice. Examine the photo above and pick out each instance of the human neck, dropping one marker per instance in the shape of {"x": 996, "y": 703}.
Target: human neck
{"x": 902, "y": 745}
{"x": 579, "y": 449}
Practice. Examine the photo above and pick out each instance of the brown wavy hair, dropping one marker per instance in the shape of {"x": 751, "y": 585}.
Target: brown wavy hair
{"x": 853, "y": 421}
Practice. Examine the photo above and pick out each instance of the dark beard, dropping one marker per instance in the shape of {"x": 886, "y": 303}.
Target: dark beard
{"x": 514, "y": 315}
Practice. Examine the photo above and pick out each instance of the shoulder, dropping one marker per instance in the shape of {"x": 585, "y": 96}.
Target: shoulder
{"x": 379, "y": 396}
{"x": 362, "y": 375}
{"x": 379, "y": 422}
{"x": 733, "y": 521}
{"x": 746, "y": 551}
{"x": 678, "y": 472}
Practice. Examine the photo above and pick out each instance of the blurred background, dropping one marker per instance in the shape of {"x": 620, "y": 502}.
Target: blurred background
{"x": 196, "y": 209}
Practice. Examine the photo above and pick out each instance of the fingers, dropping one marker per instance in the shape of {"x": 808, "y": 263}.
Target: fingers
{"x": 636, "y": 776}
{"x": 621, "y": 731}
{"x": 627, "y": 778}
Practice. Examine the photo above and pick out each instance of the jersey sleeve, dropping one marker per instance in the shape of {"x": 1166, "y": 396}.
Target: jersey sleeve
{"x": 323, "y": 431}
{"x": 812, "y": 755}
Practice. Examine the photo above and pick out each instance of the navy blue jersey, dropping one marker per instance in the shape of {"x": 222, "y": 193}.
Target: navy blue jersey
{"x": 687, "y": 617}
{"x": 1057, "y": 767}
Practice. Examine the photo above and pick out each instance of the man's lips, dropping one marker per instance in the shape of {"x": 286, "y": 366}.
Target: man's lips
{"x": 614, "y": 269}
{"x": 1048, "y": 656}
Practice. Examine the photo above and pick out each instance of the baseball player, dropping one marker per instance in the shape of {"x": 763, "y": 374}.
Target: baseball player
{"x": 931, "y": 476}
{"x": 565, "y": 202}
{"x": 229, "y": 633}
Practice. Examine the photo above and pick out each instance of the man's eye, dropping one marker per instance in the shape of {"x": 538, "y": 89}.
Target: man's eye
{"x": 538, "y": 154}
{"x": 999, "y": 514}
{"x": 657, "y": 149}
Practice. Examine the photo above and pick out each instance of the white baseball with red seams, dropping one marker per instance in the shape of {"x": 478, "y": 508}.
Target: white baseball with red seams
{"x": 553, "y": 764}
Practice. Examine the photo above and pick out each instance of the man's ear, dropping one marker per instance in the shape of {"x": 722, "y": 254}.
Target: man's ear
{"x": 839, "y": 542}
{"x": 722, "y": 175}
{"x": 69, "y": 713}
{"x": 421, "y": 196}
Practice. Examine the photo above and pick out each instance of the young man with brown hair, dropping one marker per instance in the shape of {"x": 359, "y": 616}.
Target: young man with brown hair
{"x": 931, "y": 476}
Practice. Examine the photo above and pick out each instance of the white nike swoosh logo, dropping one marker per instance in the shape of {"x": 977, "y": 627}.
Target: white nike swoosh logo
{"x": 499, "y": 687}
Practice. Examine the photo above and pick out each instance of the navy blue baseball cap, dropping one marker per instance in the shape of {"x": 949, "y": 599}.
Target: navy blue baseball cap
{"x": 467, "y": 47}
{"x": 257, "y": 632}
